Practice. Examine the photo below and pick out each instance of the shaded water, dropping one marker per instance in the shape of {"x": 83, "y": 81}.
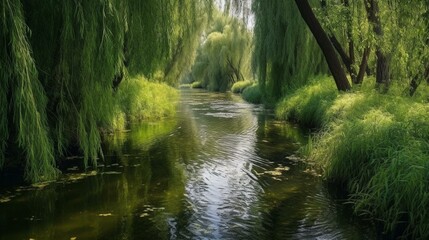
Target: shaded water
{"x": 223, "y": 169}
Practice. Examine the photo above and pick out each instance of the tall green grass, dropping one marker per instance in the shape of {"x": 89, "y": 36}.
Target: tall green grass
{"x": 139, "y": 99}
{"x": 376, "y": 146}
{"x": 308, "y": 105}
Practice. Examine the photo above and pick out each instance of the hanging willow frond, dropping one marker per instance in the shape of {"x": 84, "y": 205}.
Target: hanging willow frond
{"x": 286, "y": 54}
{"x": 27, "y": 96}
{"x": 58, "y": 62}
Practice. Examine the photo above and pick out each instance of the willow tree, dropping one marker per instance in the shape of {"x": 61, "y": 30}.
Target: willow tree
{"x": 57, "y": 86}
{"x": 286, "y": 54}
{"x": 325, "y": 45}
{"x": 395, "y": 30}
{"x": 346, "y": 25}
{"x": 23, "y": 118}
{"x": 224, "y": 57}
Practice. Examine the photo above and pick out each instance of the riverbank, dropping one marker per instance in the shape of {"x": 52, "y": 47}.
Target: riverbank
{"x": 136, "y": 99}
{"x": 373, "y": 145}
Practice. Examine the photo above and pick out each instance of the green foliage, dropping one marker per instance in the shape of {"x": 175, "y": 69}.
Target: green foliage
{"x": 240, "y": 86}
{"x": 308, "y": 105}
{"x": 22, "y": 91}
{"x": 286, "y": 54}
{"x": 224, "y": 57}
{"x": 140, "y": 99}
{"x": 171, "y": 31}
{"x": 375, "y": 145}
{"x": 196, "y": 85}
{"x": 252, "y": 94}
{"x": 56, "y": 87}
{"x": 404, "y": 34}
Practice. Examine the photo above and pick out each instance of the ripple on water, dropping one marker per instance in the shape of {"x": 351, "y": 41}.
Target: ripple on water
{"x": 226, "y": 173}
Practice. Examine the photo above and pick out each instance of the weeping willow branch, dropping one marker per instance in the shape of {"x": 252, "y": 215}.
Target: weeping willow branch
{"x": 286, "y": 55}
{"x": 27, "y": 96}
{"x": 56, "y": 89}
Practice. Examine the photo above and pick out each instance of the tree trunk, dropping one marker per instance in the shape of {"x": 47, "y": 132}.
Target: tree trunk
{"x": 324, "y": 44}
{"x": 363, "y": 66}
{"x": 349, "y": 59}
{"x": 350, "y": 41}
{"x": 416, "y": 81}
{"x": 383, "y": 71}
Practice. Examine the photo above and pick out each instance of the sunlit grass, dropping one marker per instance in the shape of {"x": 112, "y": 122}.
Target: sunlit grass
{"x": 375, "y": 145}
{"x": 308, "y": 105}
{"x": 240, "y": 86}
{"x": 196, "y": 85}
{"x": 139, "y": 99}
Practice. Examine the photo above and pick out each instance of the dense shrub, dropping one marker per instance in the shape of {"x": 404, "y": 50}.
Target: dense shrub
{"x": 252, "y": 94}
{"x": 139, "y": 99}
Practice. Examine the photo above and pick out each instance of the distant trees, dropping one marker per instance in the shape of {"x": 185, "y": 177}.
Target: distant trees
{"x": 225, "y": 54}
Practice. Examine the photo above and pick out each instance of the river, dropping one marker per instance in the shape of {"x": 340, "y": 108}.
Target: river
{"x": 221, "y": 169}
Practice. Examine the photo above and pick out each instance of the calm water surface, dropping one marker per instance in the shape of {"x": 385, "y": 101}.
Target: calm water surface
{"x": 223, "y": 169}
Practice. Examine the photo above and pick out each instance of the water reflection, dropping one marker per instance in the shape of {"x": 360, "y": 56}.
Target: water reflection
{"x": 223, "y": 169}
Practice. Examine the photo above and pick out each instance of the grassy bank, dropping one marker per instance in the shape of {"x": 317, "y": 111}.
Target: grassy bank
{"x": 375, "y": 145}
{"x": 139, "y": 99}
